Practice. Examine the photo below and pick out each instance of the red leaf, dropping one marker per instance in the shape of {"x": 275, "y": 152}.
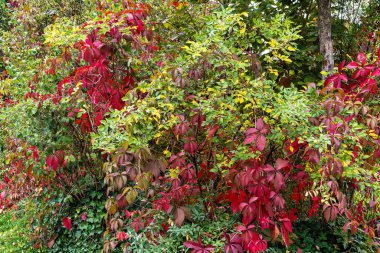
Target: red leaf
{"x": 121, "y": 201}
{"x": 285, "y": 236}
{"x": 247, "y": 233}
{"x": 212, "y": 132}
{"x": 137, "y": 224}
{"x": 369, "y": 67}
{"x": 362, "y": 58}
{"x": 122, "y": 236}
{"x": 192, "y": 245}
{"x": 67, "y": 223}
{"x": 293, "y": 147}
{"x": 336, "y": 80}
{"x": 6, "y": 178}
{"x": 343, "y": 77}
{"x": 208, "y": 248}
{"x": 352, "y": 65}
{"x": 376, "y": 72}
{"x": 341, "y": 65}
{"x": 197, "y": 120}
{"x": 179, "y": 216}
{"x": 50, "y": 244}
{"x": 233, "y": 245}
{"x": 261, "y": 126}
{"x": 361, "y": 73}
{"x": 55, "y": 160}
{"x": 260, "y": 142}
{"x": 353, "y": 225}
{"x": 258, "y": 245}
{"x": 257, "y": 134}
{"x": 35, "y": 153}
{"x": 250, "y": 137}
{"x": 163, "y": 204}
{"x": 376, "y": 154}
{"x": 127, "y": 214}
{"x": 83, "y": 217}
{"x": 287, "y": 224}
{"x": 312, "y": 155}
{"x": 236, "y": 198}
{"x": 281, "y": 163}
{"x": 3, "y": 195}
{"x": 175, "y": 3}
{"x": 248, "y": 211}
{"x": 198, "y": 247}
{"x": 52, "y": 162}
{"x": 181, "y": 128}
{"x": 330, "y": 212}
{"x": 279, "y": 181}
{"x": 191, "y": 147}
{"x": 331, "y": 79}
{"x": 346, "y": 226}
{"x": 251, "y": 131}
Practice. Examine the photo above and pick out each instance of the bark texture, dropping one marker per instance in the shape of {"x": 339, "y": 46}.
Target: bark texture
{"x": 324, "y": 32}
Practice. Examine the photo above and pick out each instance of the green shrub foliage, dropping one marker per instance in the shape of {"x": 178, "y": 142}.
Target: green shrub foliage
{"x": 186, "y": 126}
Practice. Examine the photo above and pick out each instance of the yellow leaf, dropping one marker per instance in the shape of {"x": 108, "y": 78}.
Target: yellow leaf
{"x": 131, "y": 196}
{"x": 324, "y": 73}
{"x": 174, "y": 173}
{"x": 8, "y": 160}
{"x": 373, "y": 135}
{"x": 126, "y": 190}
{"x": 166, "y": 152}
{"x": 272, "y": 43}
{"x": 291, "y": 48}
{"x": 274, "y": 71}
{"x": 239, "y": 100}
{"x": 268, "y": 110}
{"x": 247, "y": 106}
{"x": 167, "y": 25}
{"x": 180, "y": 6}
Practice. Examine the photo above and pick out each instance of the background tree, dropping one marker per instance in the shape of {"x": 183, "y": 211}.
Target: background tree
{"x": 325, "y": 36}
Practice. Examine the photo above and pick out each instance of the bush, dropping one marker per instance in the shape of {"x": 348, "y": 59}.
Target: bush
{"x": 186, "y": 135}
{"x": 13, "y": 232}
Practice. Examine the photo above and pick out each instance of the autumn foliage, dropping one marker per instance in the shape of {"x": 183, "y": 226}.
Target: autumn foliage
{"x": 167, "y": 126}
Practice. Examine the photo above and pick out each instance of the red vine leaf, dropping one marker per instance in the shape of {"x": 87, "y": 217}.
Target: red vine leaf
{"x": 179, "y": 216}
{"x": 67, "y": 223}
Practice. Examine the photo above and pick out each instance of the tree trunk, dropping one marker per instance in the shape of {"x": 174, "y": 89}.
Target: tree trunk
{"x": 324, "y": 32}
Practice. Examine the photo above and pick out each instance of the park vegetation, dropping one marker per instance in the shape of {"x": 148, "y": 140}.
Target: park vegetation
{"x": 189, "y": 126}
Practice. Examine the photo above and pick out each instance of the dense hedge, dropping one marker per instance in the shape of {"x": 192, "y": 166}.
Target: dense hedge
{"x": 175, "y": 126}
